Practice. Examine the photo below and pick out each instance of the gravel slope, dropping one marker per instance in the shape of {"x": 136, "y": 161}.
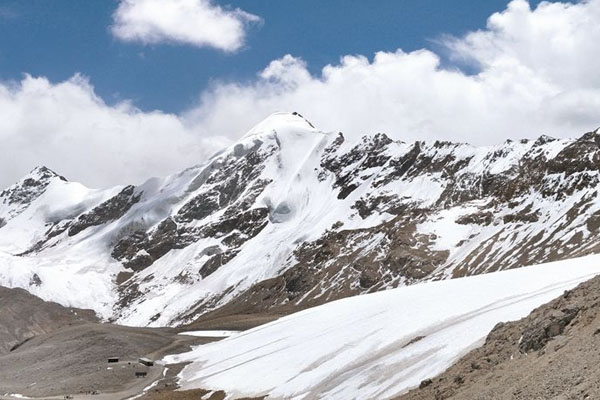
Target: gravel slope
{"x": 23, "y": 316}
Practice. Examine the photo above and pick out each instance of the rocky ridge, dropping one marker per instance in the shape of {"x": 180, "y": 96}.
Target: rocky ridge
{"x": 291, "y": 217}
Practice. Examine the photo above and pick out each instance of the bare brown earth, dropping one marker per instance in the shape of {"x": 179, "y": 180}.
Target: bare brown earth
{"x": 554, "y": 353}
{"x": 48, "y": 351}
{"x": 232, "y": 320}
{"x": 191, "y": 395}
{"x": 23, "y": 316}
{"x": 73, "y": 360}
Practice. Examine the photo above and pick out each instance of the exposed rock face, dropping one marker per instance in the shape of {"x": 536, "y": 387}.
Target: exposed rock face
{"x": 550, "y": 354}
{"x": 291, "y": 217}
{"x": 108, "y": 211}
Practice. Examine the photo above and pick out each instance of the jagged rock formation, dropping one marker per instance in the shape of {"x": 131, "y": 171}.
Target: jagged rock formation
{"x": 291, "y": 217}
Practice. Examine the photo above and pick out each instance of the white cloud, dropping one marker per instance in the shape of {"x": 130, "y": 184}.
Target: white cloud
{"x": 66, "y": 127}
{"x": 196, "y": 22}
{"x": 538, "y": 75}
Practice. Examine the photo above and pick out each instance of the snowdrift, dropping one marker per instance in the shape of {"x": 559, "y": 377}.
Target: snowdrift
{"x": 377, "y": 345}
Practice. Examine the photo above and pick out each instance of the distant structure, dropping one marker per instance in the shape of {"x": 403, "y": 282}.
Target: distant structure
{"x": 113, "y": 359}
{"x": 146, "y": 361}
{"x": 140, "y": 374}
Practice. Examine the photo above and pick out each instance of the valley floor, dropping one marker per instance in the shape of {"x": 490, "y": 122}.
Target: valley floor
{"x": 73, "y": 361}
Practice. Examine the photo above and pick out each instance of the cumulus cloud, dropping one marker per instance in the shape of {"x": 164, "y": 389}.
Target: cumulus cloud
{"x": 195, "y": 22}
{"x": 537, "y": 74}
{"x": 68, "y": 128}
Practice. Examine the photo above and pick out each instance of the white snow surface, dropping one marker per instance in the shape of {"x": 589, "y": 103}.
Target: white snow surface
{"x": 358, "y": 348}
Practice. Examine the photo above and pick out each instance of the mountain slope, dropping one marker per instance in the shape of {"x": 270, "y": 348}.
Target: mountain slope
{"x": 23, "y": 316}
{"x": 291, "y": 217}
{"x": 550, "y": 354}
{"x": 379, "y": 345}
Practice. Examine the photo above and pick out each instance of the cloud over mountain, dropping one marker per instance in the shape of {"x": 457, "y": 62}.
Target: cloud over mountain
{"x": 67, "y": 127}
{"x": 535, "y": 73}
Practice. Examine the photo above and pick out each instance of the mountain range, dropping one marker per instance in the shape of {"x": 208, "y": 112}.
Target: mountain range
{"x": 291, "y": 217}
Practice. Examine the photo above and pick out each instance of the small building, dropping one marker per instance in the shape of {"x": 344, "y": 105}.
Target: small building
{"x": 113, "y": 359}
{"x": 146, "y": 361}
{"x": 140, "y": 374}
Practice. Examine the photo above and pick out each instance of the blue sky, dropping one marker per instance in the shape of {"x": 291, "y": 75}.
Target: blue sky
{"x": 61, "y": 37}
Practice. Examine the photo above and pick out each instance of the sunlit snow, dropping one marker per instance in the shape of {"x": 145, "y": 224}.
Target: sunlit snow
{"x": 368, "y": 346}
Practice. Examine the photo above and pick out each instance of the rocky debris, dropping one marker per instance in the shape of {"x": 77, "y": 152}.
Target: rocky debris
{"x": 128, "y": 249}
{"x": 247, "y": 223}
{"x": 139, "y": 250}
{"x": 200, "y": 206}
{"x": 424, "y": 383}
{"x": 524, "y": 215}
{"x": 480, "y": 218}
{"x": 111, "y": 210}
{"x": 550, "y": 354}
{"x": 545, "y": 327}
{"x": 215, "y": 262}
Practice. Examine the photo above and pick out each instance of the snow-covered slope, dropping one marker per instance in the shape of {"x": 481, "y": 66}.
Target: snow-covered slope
{"x": 290, "y": 217}
{"x": 379, "y": 345}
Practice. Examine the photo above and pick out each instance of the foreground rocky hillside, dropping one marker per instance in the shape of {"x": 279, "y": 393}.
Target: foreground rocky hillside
{"x": 23, "y": 316}
{"x": 551, "y": 354}
{"x": 291, "y": 217}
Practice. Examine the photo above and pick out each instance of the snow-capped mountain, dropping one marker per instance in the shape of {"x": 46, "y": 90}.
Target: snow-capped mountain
{"x": 291, "y": 217}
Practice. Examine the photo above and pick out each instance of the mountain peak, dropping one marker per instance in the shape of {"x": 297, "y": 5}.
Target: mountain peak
{"x": 18, "y": 196}
{"x": 42, "y": 172}
{"x": 281, "y": 120}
